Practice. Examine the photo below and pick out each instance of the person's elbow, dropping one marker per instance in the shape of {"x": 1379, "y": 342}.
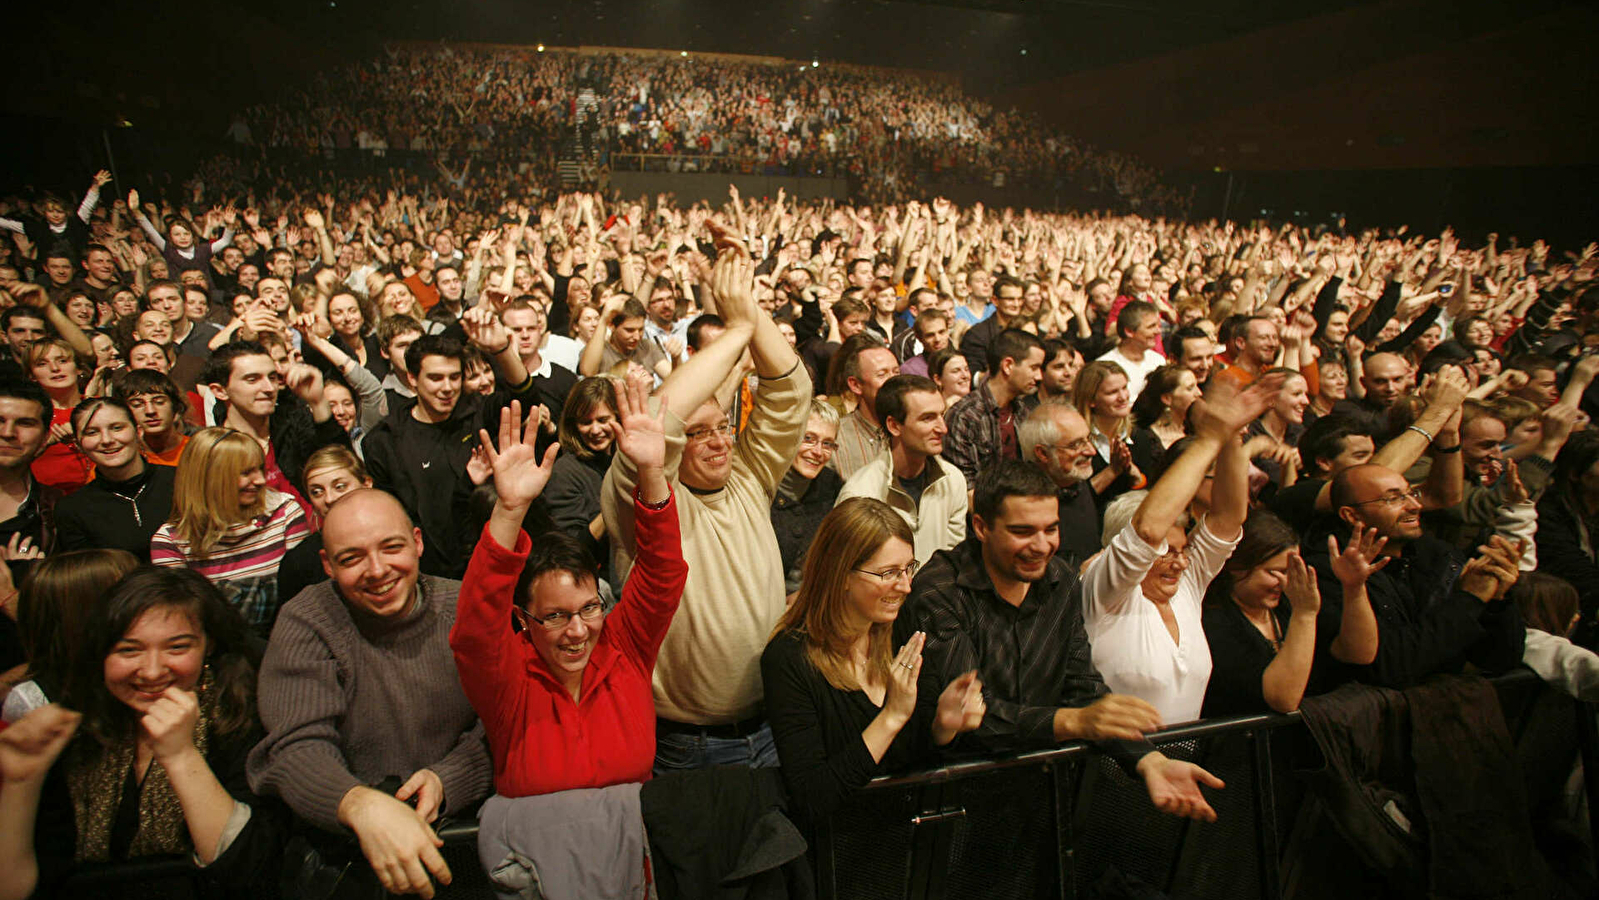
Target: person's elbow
{"x": 1284, "y": 701}
{"x": 20, "y": 881}
{"x": 1354, "y": 653}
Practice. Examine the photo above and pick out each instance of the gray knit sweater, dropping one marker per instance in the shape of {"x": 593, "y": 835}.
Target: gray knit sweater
{"x": 349, "y": 699}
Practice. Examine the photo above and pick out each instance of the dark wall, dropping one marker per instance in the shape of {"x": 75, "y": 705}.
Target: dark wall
{"x": 1396, "y": 84}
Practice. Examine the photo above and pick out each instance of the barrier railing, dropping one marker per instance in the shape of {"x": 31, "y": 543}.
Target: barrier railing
{"x": 1060, "y": 822}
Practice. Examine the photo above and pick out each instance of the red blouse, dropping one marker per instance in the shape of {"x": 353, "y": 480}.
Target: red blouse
{"x": 540, "y": 739}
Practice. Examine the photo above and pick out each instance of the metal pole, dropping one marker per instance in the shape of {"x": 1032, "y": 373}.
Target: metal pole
{"x": 1227, "y": 202}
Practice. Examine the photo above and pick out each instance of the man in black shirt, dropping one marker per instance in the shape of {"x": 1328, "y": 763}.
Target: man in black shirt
{"x": 1055, "y": 439}
{"x": 1002, "y": 602}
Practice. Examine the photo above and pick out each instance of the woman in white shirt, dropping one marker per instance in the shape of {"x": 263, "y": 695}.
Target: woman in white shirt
{"x": 1142, "y": 594}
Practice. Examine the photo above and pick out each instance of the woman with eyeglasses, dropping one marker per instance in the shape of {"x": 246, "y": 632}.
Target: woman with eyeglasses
{"x": 842, "y": 702}
{"x": 807, "y": 492}
{"x": 565, "y": 695}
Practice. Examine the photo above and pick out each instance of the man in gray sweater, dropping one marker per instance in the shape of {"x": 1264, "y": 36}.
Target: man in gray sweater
{"x": 359, "y": 685}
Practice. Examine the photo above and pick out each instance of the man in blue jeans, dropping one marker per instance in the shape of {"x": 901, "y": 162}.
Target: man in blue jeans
{"x": 707, "y": 677}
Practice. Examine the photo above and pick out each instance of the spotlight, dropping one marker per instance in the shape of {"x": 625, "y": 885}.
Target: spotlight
{"x": 815, "y": 63}
{"x": 1024, "y": 51}
{"x": 682, "y": 53}
{"x": 541, "y": 48}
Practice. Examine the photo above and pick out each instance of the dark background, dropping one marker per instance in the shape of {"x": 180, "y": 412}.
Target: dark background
{"x": 1422, "y": 111}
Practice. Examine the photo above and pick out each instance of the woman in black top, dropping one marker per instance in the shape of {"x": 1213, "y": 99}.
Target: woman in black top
{"x": 573, "y": 494}
{"x": 128, "y": 499}
{"x": 1262, "y": 653}
{"x": 807, "y": 493}
{"x": 842, "y": 704}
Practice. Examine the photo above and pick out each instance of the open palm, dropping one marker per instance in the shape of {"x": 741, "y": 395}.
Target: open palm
{"x": 640, "y": 436}
{"x": 519, "y": 475}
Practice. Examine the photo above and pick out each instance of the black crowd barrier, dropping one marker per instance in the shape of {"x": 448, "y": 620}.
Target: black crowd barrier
{"x": 1059, "y": 823}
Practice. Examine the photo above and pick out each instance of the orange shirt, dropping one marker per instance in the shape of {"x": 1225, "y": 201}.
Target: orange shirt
{"x": 169, "y": 458}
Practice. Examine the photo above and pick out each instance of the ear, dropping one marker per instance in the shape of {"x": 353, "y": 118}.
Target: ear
{"x": 894, "y": 428}
{"x": 979, "y": 528}
{"x": 218, "y": 391}
{"x": 327, "y": 564}
{"x": 1350, "y": 517}
{"x": 417, "y": 533}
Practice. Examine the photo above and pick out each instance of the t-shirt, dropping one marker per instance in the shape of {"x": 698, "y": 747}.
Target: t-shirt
{"x": 649, "y": 355}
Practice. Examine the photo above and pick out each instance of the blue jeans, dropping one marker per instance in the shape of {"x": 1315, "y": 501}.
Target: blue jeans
{"x": 677, "y": 752}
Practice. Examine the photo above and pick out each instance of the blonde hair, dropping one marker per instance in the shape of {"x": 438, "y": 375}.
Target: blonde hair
{"x": 205, "y": 494}
{"x": 847, "y": 537}
{"x": 1087, "y": 388}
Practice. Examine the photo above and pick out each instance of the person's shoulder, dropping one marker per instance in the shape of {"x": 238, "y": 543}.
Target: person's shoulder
{"x": 785, "y": 648}
{"x": 952, "y": 474}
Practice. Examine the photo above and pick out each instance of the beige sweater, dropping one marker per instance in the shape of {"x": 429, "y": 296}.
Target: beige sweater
{"x": 708, "y": 671}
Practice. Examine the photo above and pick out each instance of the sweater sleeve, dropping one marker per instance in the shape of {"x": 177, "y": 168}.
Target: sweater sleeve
{"x": 466, "y": 771}
{"x": 481, "y": 637}
{"x": 149, "y": 230}
{"x": 164, "y": 550}
{"x": 1380, "y": 314}
{"x": 301, "y": 702}
{"x": 818, "y": 781}
{"x": 651, "y": 594}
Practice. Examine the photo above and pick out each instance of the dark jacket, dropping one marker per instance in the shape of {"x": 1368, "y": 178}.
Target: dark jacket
{"x": 797, "y": 511}
{"x": 424, "y": 466}
{"x": 1426, "y": 625}
{"x": 1566, "y": 548}
{"x": 722, "y": 834}
{"x": 573, "y": 500}
{"x": 120, "y": 515}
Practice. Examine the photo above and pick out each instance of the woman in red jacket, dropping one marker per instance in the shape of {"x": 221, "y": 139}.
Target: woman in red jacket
{"x": 566, "y": 699}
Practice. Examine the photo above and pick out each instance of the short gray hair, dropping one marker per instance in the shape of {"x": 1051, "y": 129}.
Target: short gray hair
{"x": 1120, "y": 511}
{"x": 1040, "y": 430}
{"x": 821, "y": 409}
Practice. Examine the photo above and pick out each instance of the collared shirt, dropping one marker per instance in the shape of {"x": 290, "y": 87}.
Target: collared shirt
{"x": 1033, "y": 658}
{"x": 973, "y": 422}
{"x": 859, "y": 442}
{"x": 678, "y": 329}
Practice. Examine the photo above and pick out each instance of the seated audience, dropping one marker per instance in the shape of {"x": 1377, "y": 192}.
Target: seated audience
{"x": 844, "y": 704}
{"x": 1262, "y": 651}
{"x": 129, "y": 498}
{"x": 163, "y": 690}
{"x": 807, "y": 492}
{"x": 1003, "y": 603}
{"x": 229, "y": 525}
{"x": 565, "y": 695}
{"x": 358, "y": 686}
{"x": 909, "y": 476}
{"x": 52, "y": 613}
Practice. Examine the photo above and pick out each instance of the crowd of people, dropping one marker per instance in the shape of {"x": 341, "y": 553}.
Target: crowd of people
{"x": 756, "y": 500}
{"x": 893, "y": 132}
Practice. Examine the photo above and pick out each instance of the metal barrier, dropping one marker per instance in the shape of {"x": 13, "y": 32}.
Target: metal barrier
{"x": 1048, "y": 823}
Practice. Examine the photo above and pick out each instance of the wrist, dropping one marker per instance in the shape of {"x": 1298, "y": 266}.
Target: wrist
{"x": 352, "y": 806}
{"x": 1150, "y": 760}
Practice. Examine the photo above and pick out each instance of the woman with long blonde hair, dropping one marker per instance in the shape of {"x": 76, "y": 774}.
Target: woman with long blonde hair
{"x": 843, "y": 704}
{"x": 228, "y": 525}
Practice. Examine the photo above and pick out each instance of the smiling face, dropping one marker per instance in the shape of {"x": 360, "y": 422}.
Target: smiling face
{"x": 1262, "y": 586}
{"x": 1167, "y": 571}
{"x": 162, "y": 649}
{"x": 871, "y": 601}
{"x": 438, "y": 385}
{"x": 344, "y": 314}
{"x": 80, "y": 309}
{"x": 1480, "y": 441}
{"x": 341, "y": 403}
{"x": 1112, "y": 399}
{"x": 105, "y": 350}
{"x": 1337, "y": 327}
{"x": 252, "y": 386}
{"x": 707, "y": 450}
{"x": 1292, "y": 400}
{"x": 922, "y": 432}
{"x": 108, "y": 437}
{"x": 153, "y": 326}
{"x": 594, "y": 428}
{"x": 1022, "y": 539}
{"x": 817, "y": 446}
{"x": 956, "y": 379}
{"x": 23, "y": 427}
{"x": 1334, "y": 382}
{"x": 566, "y": 649}
{"x": 372, "y": 552}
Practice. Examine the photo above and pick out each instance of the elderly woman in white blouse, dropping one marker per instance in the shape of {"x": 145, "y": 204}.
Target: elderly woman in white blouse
{"x": 1142, "y": 594}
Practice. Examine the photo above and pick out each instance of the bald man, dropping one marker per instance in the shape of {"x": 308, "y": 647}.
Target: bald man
{"x": 1427, "y": 616}
{"x": 358, "y": 686}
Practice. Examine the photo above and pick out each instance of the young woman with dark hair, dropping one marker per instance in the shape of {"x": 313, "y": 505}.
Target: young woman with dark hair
{"x": 151, "y": 763}
{"x": 129, "y": 497}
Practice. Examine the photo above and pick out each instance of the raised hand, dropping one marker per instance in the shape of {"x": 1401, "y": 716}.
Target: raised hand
{"x": 306, "y": 383}
{"x": 485, "y": 330}
{"x": 102, "y": 178}
{"x": 1494, "y": 571}
{"x": 732, "y": 284}
{"x": 133, "y": 201}
{"x": 313, "y": 218}
{"x": 1227, "y": 410}
{"x": 519, "y": 475}
{"x": 900, "y": 697}
{"x": 639, "y": 436}
{"x": 169, "y": 725}
{"x": 1303, "y": 592}
{"x": 1357, "y": 562}
{"x": 31, "y": 745}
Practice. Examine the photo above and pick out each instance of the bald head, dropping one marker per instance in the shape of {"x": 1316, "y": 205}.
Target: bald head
{"x": 371, "y": 551}
{"x": 1374, "y": 496}
{"x": 1385, "y": 377}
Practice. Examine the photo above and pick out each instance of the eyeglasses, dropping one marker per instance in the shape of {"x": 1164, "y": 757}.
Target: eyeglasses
{"x": 1393, "y": 498}
{"x": 1081, "y": 445}
{"x": 556, "y": 621}
{"x": 725, "y": 430}
{"x": 891, "y": 576}
{"x": 811, "y": 440}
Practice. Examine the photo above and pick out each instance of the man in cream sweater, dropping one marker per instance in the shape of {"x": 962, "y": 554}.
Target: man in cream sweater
{"x": 707, "y": 677}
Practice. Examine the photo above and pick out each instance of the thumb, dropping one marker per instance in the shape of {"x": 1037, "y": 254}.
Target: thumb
{"x": 1207, "y": 779}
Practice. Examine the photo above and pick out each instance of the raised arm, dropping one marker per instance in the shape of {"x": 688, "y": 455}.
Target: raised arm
{"x": 695, "y": 381}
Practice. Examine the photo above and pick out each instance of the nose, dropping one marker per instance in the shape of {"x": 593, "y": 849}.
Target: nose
{"x": 150, "y": 666}
{"x": 576, "y": 629}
